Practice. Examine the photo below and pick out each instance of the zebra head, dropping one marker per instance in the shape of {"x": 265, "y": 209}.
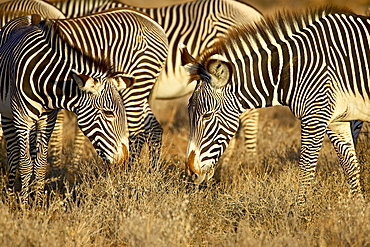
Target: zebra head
{"x": 101, "y": 115}
{"x": 212, "y": 115}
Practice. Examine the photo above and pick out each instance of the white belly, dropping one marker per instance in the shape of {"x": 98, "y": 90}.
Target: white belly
{"x": 352, "y": 107}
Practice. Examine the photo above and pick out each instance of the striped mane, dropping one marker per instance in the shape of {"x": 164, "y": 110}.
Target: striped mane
{"x": 273, "y": 27}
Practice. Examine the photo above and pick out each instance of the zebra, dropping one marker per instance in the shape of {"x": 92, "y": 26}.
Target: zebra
{"x": 316, "y": 63}
{"x": 37, "y": 79}
{"x": 141, "y": 123}
{"x": 55, "y": 51}
{"x": 17, "y": 8}
{"x": 198, "y": 24}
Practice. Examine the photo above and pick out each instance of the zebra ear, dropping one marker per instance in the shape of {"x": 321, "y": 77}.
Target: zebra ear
{"x": 86, "y": 82}
{"x": 195, "y": 69}
{"x": 220, "y": 69}
{"x": 122, "y": 81}
{"x": 186, "y": 58}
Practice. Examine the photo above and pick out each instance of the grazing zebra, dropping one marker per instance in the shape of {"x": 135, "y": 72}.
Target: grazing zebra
{"x": 198, "y": 24}
{"x": 17, "y": 8}
{"x": 141, "y": 121}
{"x": 43, "y": 70}
{"x": 315, "y": 63}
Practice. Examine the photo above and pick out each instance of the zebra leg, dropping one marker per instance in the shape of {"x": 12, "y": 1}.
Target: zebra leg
{"x": 45, "y": 126}
{"x": 77, "y": 147}
{"x": 341, "y": 137}
{"x": 23, "y": 132}
{"x": 136, "y": 144}
{"x": 228, "y": 152}
{"x": 12, "y": 149}
{"x": 147, "y": 129}
{"x": 56, "y": 142}
{"x": 249, "y": 122}
{"x": 356, "y": 126}
{"x": 153, "y": 134}
{"x": 312, "y": 135}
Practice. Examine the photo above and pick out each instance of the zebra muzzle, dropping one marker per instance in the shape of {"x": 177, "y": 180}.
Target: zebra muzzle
{"x": 192, "y": 171}
{"x": 122, "y": 157}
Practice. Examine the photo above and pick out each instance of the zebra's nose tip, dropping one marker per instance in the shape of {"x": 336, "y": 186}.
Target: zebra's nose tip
{"x": 190, "y": 164}
{"x": 194, "y": 173}
{"x": 123, "y": 156}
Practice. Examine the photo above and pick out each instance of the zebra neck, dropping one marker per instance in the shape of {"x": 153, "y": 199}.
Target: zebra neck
{"x": 64, "y": 93}
{"x": 258, "y": 78}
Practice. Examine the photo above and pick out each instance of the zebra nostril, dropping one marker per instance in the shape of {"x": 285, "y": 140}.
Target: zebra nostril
{"x": 194, "y": 177}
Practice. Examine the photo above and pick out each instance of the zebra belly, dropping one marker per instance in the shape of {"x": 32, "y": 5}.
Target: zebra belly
{"x": 352, "y": 107}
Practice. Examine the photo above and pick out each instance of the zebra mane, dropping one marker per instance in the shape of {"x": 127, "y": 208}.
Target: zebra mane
{"x": 272, "y": 27}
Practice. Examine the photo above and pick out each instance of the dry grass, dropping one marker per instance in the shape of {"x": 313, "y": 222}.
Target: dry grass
{"x": 251, "y": 204}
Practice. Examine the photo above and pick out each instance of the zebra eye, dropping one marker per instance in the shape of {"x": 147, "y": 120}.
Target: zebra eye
{"x": 207, "y": 116}
{"x": 108, "y": 113}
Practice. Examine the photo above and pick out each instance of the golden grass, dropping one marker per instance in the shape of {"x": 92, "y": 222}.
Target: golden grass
{"x": 252, "y": 203}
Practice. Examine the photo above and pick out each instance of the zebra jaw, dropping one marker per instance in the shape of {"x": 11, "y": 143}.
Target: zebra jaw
{"x": 195, "y": 171}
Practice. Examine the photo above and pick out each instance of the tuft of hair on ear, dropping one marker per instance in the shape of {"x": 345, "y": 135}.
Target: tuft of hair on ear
{"x": 122, "y": 81}
{"x": 196, "y": 70}
{"x": 186, "y": 58}
{"x": 86, "y": 82}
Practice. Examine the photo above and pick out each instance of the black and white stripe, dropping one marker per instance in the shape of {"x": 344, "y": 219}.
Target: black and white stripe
{"x": 316, "y": 63}
{"x": 78, "y": 65}
{"x": 198, "y": 24}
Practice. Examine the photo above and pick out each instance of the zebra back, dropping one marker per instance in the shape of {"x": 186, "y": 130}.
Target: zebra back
{"x": 16, "y": 8}
{"x": 198, "y": 25}
{"x": 78, "y": 8}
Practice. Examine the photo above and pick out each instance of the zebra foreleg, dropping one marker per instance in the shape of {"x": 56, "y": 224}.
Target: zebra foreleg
{"x": 78, "y": 145}
{"x": 312, "y": 136}
{"x": 153, "y": 133}
{"x": 249, "y": 122}
{"x": 341, "y": 137}
{"x": 136, "y": 144}
{"x": 56, "y": 142}
{"x": 146, "y": 130}
{"x": 12, "y": 149}
{"x": 45, "y": 126}
{"x": 23, "y": 131}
